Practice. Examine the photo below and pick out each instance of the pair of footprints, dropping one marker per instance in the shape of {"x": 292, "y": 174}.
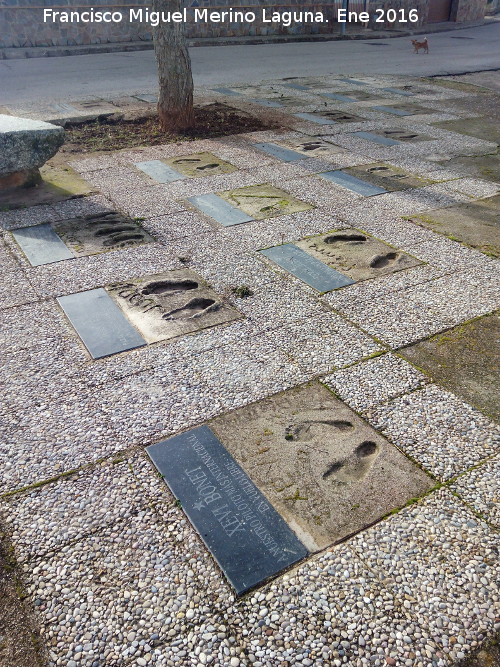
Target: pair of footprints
{"x": 194, "y": 308}
{"x": 114, "y": 230}
{"x": 377, "y": 262}
{"x": 352, "y": 468}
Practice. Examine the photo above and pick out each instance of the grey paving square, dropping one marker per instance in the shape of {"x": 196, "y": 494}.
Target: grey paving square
{"x": 319, "y": 120}
{"x": 220, "y": 210}
{"x": 395, "y": 112}
{"x": 285, "y": 154}
{"x": 308, "y": 269}
{"x": 339, "y": 97}
{"x": 268, "y": 103}
{"x": 245, "y": 534}
{"x": 226, "y": 91}
{"x": 376, "y": 138}
{"x": 353, "y": 183}
{"x": 398, "y": 91}
{"x": 41, "y": 245}
{"x": 100, "y": 323}
{"x": 159, "y": 171}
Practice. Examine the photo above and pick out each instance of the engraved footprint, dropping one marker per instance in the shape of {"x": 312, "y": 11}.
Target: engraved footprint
{"x": 194, "y": 308}
{"x": 353, "y": 239}
{"x": 380, "y": 261}
{"x": 355, "y": 467}
{"x": 306, "y": 430}
{"x": 169, "y": 286}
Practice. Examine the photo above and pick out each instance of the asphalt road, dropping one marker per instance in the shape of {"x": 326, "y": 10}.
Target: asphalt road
{"x": 112, "y": 74}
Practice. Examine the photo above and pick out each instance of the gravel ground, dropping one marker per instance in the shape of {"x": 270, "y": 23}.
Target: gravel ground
{"x": 114, "y": 571}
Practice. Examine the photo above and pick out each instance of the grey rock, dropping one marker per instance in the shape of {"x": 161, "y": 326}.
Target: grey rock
{"x": 26, "y": 144}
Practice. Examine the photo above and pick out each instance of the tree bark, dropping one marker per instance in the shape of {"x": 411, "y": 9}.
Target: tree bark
{"x": 175, "y": 102}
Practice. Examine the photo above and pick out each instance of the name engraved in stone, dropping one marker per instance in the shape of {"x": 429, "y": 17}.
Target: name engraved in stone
{"x": 247, "y": 537}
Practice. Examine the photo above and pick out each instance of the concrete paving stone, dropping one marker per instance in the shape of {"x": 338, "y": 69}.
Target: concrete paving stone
{"x": 44, "y": 519}
{"x": 24, "y": 217}
{"x": 327, "y": 196}
{"x": 446, "y": 254}
{"x": 39, "y": 444}
{"x": 97, "y": 163}
{"x": 480, "y": 490}
{"x": 320, "y": 344}
{"x": 396, "y": 231}
{"x": 211, "y": 184}
{"x": 17, "y": 289}
{"x": 166, "y": 228}
{"x": 370, "y": 291}
{"x": 411, "y": 314}
{"x": 330, "y": 610}
{"x": 151, "y": 406}
{"x": 375, "y": 381}
{"x": 146, "y": 202}
{"x": 442, "y": 433}
{"x": 82, "y": 206}
{"x": 474, "y": 187}
{"x": 440, "y": 560}
{"x": 131, "y": 557}
{"x": 93, "y": 271}
{"x": 258, "y": 234}
{"x": 271, "y": 304}
{"x": 8, "y": 261}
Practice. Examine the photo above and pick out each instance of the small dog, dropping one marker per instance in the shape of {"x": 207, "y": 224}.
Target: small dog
{"x": 420, "y": 45}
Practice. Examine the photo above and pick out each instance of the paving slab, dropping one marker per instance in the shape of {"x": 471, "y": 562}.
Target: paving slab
{"x": 264, "y": 201}
{"x": 325, "y": 471}
{"x": 219, "y": 209}
{"x": 159, "y": 171}
{"x": 243, "y": 531}
{"x": 475, "y": 223}
{"x": 387, "y": 176}
{"x": 306, "y": 268}
{"x": 356, "y": 254}
{"x": 463, "y": 360}
{"x": 482, "y": 128}
{"x": 41, "y": 244}
{"x": 167, "y": 305}
{"x": 101, "y": 232}
{"x": 350, "y": 182}
{"x": 100, "y": 323}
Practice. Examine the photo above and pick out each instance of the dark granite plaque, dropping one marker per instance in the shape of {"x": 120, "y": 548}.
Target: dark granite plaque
{"x": 159, "y": 171}
{"x": 338, "y": 96}
{"x": 285, "y": 154}
{"x": 356, "y": 82}
{"x": 295, "y": 86}
{"x": 319, "y": 120}
{"x": 225, "y": 91}
{"x": 220, "y": 210}
{"x": 245, "y": 534}
{"x": 100, "y": 323}
{"x": 307, "y": 268}
{"x": 394, "y": 111}
{"x": 41, "y": 245}
{"x": 353, "y": 183}
{"x": 376, "y": 138}
{"x": 397, "y": 91}
{"x": 268, "y": 103}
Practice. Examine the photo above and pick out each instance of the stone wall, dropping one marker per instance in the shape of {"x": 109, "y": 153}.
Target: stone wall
{"x": 21, "y": 21}
{"x": 468, "y": 10}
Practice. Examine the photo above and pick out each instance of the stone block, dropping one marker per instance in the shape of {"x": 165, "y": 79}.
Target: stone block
{"x": 26, "y": 144}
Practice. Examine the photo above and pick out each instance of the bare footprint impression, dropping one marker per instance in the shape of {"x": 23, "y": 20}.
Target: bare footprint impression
{"x": 355, "y": 467}
{"x": 352, "y": 468}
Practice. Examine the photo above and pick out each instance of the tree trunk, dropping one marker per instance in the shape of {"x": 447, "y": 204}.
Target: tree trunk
{"x": 175, "y": 102}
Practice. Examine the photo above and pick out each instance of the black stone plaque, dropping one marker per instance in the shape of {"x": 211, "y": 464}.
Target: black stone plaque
{"x": 247, "y": 537}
